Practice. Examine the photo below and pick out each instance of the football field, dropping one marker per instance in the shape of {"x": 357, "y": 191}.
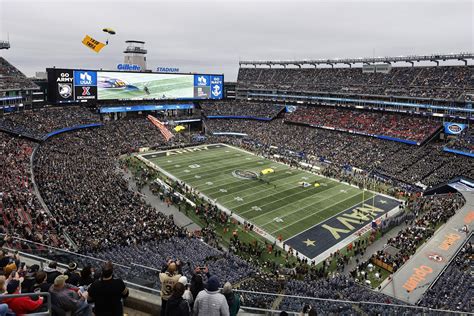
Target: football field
{"x": 288, "y": 203}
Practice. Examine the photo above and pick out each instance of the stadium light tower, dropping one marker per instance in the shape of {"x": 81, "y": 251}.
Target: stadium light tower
{"x": 4, "y": 44}
{"x": 135, "y": 53}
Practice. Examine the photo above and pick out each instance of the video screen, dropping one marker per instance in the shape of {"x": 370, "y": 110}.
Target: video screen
{"x": 142, "y": 86}
{"x": 68, "y": 85}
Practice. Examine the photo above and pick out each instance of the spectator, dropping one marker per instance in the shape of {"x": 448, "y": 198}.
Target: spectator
{"x": 4, "y": 259}
{"x": 29, "y": 277}
{"x": 52, "y": 271}
{"x": 73, "y": 275}
{"x": 21, "y": 305}
{"x": 3, "y": 309}
{"x": 3, "y": 282}
{"x": 64, "y": 298}
{"x": 86, "y": 278}
{"x": 187, "y": 295}
{"x": 9, "y": 263}
{"x": 176, "y": 304}
{"x": 41, "y": 282}
{"x": 210, "y": 302}
{"x": 108, "y": 293}
{"x": 168, "y": 278}
{"x": 233, "y": 299}
{"x": 197, "y": 284}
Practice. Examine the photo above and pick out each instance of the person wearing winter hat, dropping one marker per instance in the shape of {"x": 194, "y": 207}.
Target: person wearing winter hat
{"x": 168, "y": 278}
{"x": 67, "y": 300}
{"x": 233, "y": 299}
{"x": 73, "y": 274}
{"x": 188, "y": 296}
{"x": 210, "y": 302}
{"x": 177, "y": 305}
{"x": 52, "y": 271}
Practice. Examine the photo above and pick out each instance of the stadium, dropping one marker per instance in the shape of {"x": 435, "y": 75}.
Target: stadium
{"x": 334, "y": 186}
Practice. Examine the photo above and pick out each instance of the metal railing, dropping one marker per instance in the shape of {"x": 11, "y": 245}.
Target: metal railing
{"x": 252, "y": 300}
{"x": 367, "y": 60}
{"x": 31, "y": 295}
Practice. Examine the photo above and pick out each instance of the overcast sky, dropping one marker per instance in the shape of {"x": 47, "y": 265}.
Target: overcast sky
{"x": 212, "y": 36}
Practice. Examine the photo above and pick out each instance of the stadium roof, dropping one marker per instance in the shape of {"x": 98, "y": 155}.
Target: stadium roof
{"x": 368, "y": 60}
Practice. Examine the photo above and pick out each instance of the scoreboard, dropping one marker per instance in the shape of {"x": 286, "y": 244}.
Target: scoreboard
{"x": 77, "y": 85}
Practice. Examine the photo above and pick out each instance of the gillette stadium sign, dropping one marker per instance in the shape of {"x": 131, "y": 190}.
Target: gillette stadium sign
{"x": 167, "y": 69}
{"x": 128, "y": 67}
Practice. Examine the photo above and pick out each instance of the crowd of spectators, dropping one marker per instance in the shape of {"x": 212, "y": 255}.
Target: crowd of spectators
{"x": 365, "y": 122}
{"x": 427, "y": 165}
{"x": 21, "y": 214}
{"x": 37, "y": 123}
{"x": 78, "y": 178}
{"x": 457, "y": 278}
{"x": 464, "y": 141}
{"x": 241, "y": 109}
{"x": 429, "y": 212}
{"x": 445, "y": 82}
{"x": 72, "y": 291}
{"x": 334, "y": 287}
{"x": 13, "y": 79}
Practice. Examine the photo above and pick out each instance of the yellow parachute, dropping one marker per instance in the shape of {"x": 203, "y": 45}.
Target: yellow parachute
{"x": 179, "y": 128}
{"x": 108, "y": 30}
{"x": 267, "y": 171}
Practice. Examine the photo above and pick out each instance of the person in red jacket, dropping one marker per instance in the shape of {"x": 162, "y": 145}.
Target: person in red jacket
{"x": 21, "y": 305}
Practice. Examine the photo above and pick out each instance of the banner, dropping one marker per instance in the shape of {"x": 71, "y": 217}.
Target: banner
{"x": 164, "y": 131}
{"x": 93, "y": 44}
{"x": 454, "y": 128}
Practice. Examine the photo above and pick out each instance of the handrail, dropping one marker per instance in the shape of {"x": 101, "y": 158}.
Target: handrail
{"x": 427, "y": 309}
{"x": 144, "y": 288}
{"x": 156, "y": 292}
{"x": 145, "y": 267}
{"x": 26, "y": 254}
{"x": 47, "y": 294}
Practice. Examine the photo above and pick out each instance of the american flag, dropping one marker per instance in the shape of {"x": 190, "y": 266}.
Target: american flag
{"x": 164, "y": 131}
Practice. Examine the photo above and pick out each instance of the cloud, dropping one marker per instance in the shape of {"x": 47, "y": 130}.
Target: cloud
{"x": 201, "y": 36}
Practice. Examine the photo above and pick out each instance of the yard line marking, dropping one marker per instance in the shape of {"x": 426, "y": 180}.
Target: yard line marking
{"x": 223, "y": 167}
{"x": 286, "y": 205}
{"x": 266, "y": 188}
{"x": 312, "y": 214}
{"x": 286, "y": 196}
{"x": 270, "y": 187}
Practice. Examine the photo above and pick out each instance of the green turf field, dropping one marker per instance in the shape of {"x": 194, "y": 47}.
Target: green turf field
{"x": 166, "y": 87}
{"x": 279, "y": 204}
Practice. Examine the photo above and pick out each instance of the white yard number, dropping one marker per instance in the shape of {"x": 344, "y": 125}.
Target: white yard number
{"x": 278, "y": 220}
